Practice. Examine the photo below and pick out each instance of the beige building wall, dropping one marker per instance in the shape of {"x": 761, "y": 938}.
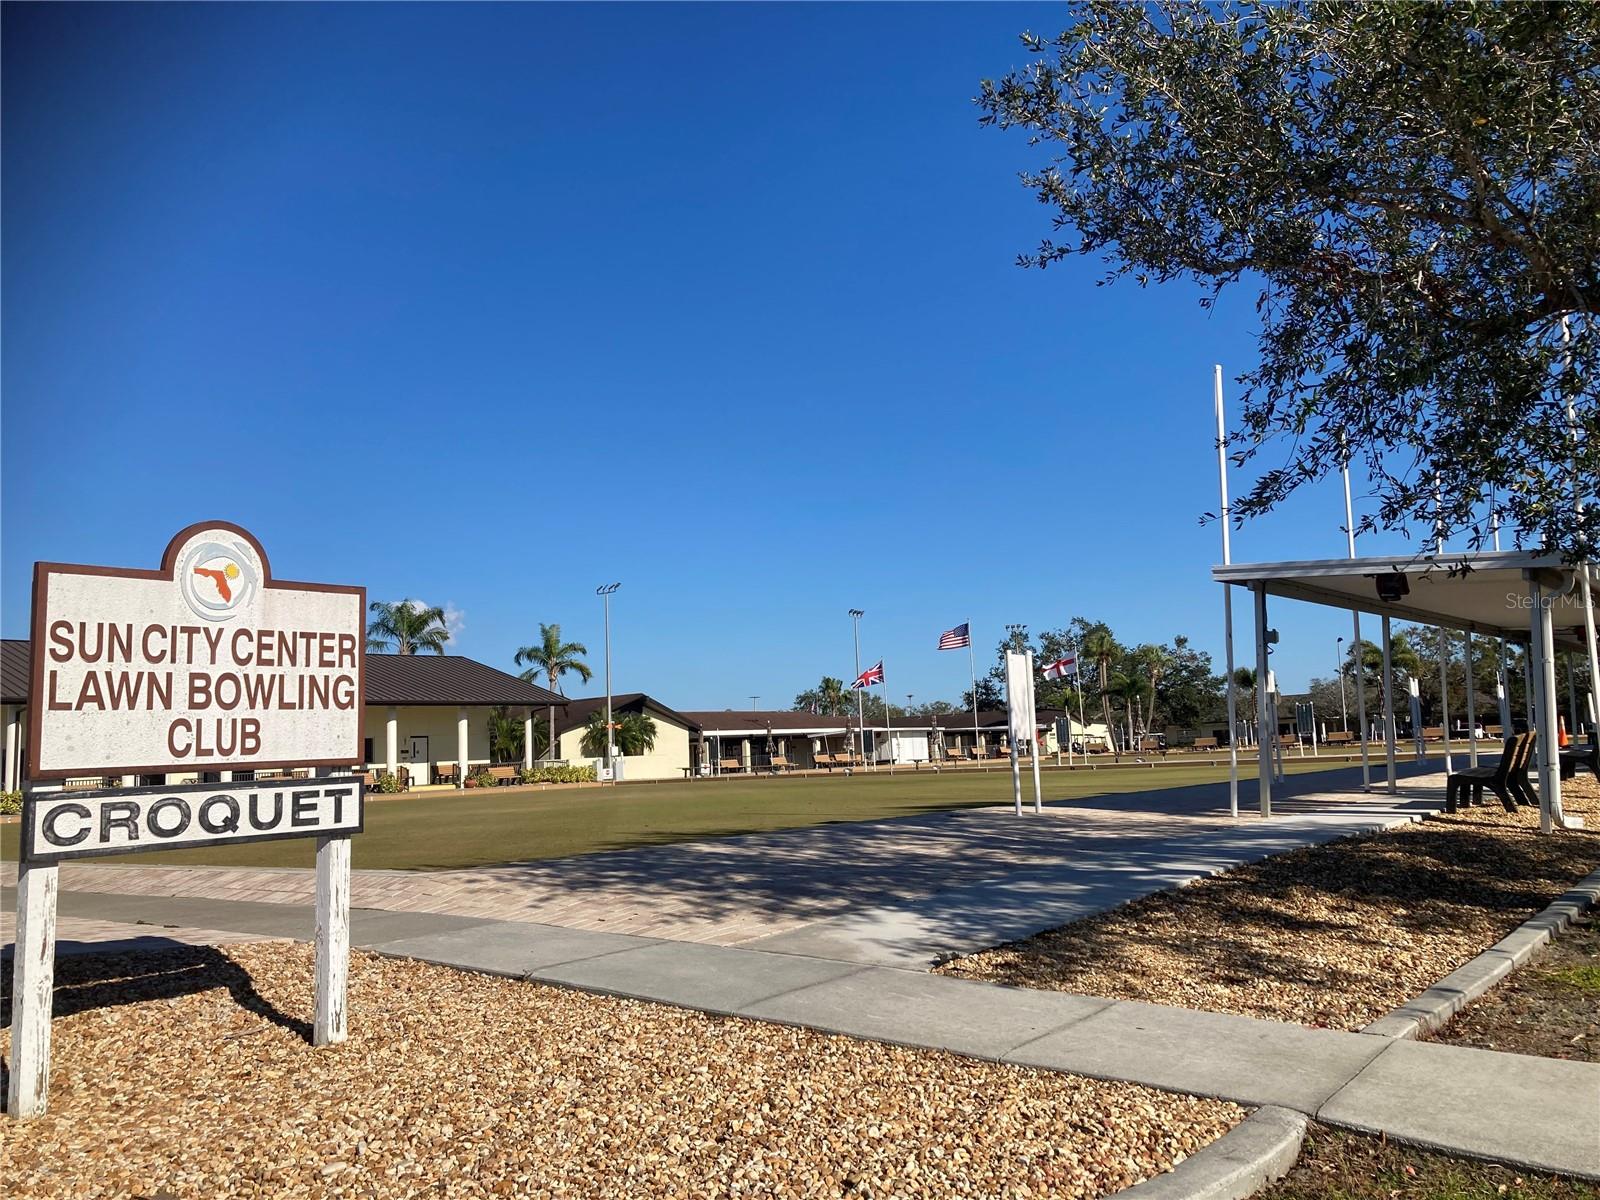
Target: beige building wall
{"x": 435, "y": 722}
{"x": 668, "y": 760}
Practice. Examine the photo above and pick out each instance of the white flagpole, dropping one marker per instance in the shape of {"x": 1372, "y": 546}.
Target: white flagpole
{"x": 1503, "y": 682}
{"x": 972, "y": 665}
{"x": 1227, "y": 605}
{"x": 888, "y": 718}
{"x": 1360, "y": 651}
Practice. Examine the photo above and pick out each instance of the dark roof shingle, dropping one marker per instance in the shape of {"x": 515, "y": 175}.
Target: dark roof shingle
{"x": 15, "y": 659}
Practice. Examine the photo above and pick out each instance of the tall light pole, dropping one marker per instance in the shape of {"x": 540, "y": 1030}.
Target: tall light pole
{"x": 1338, "y": 666}
{"x": 604, "y": 592}
{"x": 861, "y": 734}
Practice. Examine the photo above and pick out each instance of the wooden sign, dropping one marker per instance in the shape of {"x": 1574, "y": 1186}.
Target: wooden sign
{"x": 63, "y": 825}
{"x": 204, "y": 664}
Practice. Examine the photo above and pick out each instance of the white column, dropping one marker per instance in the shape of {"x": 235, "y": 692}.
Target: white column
{"x": 461, "y": 746}
{"x": 1388, "y": 707}
{"x": 744, "y": 753}
{"x": 1544, "y": 677}
{"x": 1444, "y": 692}
{"x": 13, "y": 750}
{"x": 32, "y": 989}
{"x": 130, "y": 781}
{"x": 527, "y": 738}
{"x": 1268, "y": 740}
{"x": 391, "y": 740}
{"x": 1472, "y": 707}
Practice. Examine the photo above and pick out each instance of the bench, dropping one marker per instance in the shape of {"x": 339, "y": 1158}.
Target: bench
{"x": 1507, "y": 779}
{"x": 1340, "y": 738}
{"x": 1433, "y": 733}
{"x": 447, "y": 773}
{"x": 780, "y": 762}
{"x": 504, "y": 774}
{"x": 956, "y": 753}
{"x": 1288, "y": 740}
{"x": 1203, "y": 744}
{"x": 729, "y": 766}
{"x": 1151, "y": 744}
{"x": 1495, "y": 731}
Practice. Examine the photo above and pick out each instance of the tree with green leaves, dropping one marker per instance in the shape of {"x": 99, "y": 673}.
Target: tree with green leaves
{"x": 1100, "y": 648}
{"x": 553, "y": 658}
{"x": 830, "y": 697}
{"x": 1409, "y": 190}
{"x": 506, "y": 734}
{"x": 635, "y": 734}
{"x": 405, "y": 627}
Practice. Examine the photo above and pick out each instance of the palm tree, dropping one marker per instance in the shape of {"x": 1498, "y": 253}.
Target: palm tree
{"x": 833, "y": 694}
{"x": 505, "y": 735}
{"x": 1101, "y": 647}
{"x": 1154, "y": 660}
{"x": 555, "y": 658}
{"x": 1129, "y": 686}
{"x": 635, "y": 734}
{"x": 406, "y": 628}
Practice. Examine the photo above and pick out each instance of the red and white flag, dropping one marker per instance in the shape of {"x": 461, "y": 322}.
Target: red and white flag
{"x": 871, "y": 677}
{"x": 1062, "y": 668}
{"x": 958, "y": 638}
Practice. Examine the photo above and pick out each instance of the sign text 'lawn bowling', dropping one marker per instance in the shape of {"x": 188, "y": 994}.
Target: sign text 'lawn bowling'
{"x": 206, "y": 664}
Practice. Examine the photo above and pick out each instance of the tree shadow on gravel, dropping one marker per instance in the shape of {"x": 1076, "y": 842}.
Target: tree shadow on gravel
{"x": 88, "y": 981}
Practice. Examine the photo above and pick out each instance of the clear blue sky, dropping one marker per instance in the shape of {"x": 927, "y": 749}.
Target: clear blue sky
{"x": 489, "y": 305}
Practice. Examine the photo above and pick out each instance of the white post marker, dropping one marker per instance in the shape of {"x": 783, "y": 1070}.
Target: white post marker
{"x": 1472, "y": 707}
{"x": 1227, "y": 601}
{"x": 1388, "y": 708}
{"x": 206, "y": 663}
{"x": 1265, "y": 741}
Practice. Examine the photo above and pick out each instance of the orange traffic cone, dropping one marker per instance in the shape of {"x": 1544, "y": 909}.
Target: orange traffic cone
{"x": 1561, "y": 726}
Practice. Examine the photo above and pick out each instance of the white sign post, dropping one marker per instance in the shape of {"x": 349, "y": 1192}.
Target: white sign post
{"x": 206, "y": 664}
{"x": 1023, "y": 723}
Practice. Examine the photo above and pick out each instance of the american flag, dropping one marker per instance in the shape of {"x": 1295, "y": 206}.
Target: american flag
{"x": 871, "y": 676}
{"x": 955, "y": 639}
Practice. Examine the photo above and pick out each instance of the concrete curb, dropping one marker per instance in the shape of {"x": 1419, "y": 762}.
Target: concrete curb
{"x": 1257, "y": 1151}
{"x": 1466, "y": 983}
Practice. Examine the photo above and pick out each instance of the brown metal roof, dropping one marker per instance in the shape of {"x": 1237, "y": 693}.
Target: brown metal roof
{"x": 14, "y": 662}
{"x": 439, "y": 679}
{"x": 411, "y": 679}
{"x": 579, "y": 711}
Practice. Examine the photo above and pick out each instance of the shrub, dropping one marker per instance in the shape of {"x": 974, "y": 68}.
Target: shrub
{"x": 480, "y": 778}
{"x": 585, "y": 774}
{"x": 388, "y": 784}
{"x": 10, "y": 804}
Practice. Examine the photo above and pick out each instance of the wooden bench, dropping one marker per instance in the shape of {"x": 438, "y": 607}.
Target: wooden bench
{"x": 1288, "y": 740}
{"x": 1433, "y": 733}
{"x": 955, "y": 753}
{"x": 780, "y": 762}
{"x": 729, "y": 766}
{"x": 1150, "y": 744}
{"x": 1495, "y": 731}
{"x": 1341, "y": 738}
{"x": 447, "y": 772}
{"x": 822, "y": 758}
{"x": 1204, "y": 744}
{"x": 504, "y": 774}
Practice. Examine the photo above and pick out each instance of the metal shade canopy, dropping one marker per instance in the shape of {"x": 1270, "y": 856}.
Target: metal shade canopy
{"x": 1484, "y": 592}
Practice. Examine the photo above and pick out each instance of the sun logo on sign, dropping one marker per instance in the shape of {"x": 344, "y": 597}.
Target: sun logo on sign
{"x": 217, "y": 580}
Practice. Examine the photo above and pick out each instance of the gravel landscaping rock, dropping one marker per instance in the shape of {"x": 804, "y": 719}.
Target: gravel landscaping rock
{"x": 1335, "y": 935}
{"x": 187, "y": 1073}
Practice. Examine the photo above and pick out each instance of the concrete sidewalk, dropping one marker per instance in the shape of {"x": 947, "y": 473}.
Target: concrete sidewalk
{"x": 1535, "y": 1113}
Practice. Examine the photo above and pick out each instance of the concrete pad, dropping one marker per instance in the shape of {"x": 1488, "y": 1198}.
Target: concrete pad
{"x": 711, "y": 978}
{"x": 912, "y": 1009}
{"x": 1210, "y": 1054}
{"x": 1542, "y": 1113}
{"x": 513, "y": 948}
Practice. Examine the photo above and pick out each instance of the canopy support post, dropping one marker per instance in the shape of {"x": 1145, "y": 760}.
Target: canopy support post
{"x": 1388, "y": 707}
{"x": 1263, "y": 700}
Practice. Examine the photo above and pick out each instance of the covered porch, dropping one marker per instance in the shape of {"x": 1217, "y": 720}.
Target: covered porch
{"x": 1508, "y": 597}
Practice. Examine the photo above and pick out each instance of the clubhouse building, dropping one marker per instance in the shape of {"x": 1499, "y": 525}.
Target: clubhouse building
{"x": 427, "y": 716}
